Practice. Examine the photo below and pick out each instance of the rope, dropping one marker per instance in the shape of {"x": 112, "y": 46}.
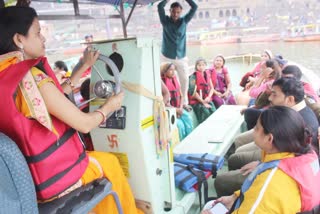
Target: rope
{"x": 160, "y": 117}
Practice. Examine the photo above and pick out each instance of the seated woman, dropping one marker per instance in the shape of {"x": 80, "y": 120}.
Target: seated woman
{"x": 37, "y": 116}
{"x": 200, "y": 91}
{"x": 170, "y": 81}
{"x": 221, "y": 82}
{"x": 287, "y": 180}
{"x": 249, "y": 78}
{"x": 270, "y": 71}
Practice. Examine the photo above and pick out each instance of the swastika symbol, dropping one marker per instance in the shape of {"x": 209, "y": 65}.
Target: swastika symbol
{"x": 113, "y": 141}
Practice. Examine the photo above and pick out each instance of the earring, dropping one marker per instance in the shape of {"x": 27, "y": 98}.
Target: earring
{"x": 22, "y": 50}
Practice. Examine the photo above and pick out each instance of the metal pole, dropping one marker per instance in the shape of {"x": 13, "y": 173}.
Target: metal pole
{"x": 76, "y": 7}
{"x": 130, "y": 14}
{"x": 124, "y": 28}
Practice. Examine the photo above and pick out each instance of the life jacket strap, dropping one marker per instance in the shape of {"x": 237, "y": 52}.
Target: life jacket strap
{"x": 51, "y": 149}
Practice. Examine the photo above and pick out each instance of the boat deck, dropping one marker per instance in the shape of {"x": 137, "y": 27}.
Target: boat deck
{"x": 220, "y": 130}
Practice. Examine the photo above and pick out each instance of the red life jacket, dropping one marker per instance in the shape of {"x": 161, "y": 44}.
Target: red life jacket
{"x": 174, "y": 89}
{"x": 254, "y": 73}
{"x": 304, "y": 170}
{"x": 55, "y": 165}
{"x": 214, "y": 75}
{"x": 308, "y": 90}
{"x": 257, "y": 70}
{"x": 202, "y": 82}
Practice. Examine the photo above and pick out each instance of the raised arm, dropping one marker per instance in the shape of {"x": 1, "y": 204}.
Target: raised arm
{"x": 260, "y": 85}
{"x": 161, "y": 12}
{"x": 192, "y": 11}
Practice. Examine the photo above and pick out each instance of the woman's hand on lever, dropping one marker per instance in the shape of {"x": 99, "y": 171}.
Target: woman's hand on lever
{"x": 113, "y": 103}
{"x": 88, "y": 60}
{"x": 90, "y": 56}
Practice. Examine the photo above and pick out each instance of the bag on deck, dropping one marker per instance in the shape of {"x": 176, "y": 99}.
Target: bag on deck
{"x": 186, "y": 176}
{"x": 205, "y": 162}
{"x": 191, "y": 179}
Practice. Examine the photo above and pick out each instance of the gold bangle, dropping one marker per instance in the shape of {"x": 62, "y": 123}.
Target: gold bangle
{"x": 68, "y": 81}
{"x": 104, "y": 116}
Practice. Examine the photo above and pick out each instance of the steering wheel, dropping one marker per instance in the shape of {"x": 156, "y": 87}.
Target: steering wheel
{"x": 105, "y": 88}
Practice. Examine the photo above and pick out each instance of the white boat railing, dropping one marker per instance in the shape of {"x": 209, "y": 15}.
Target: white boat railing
{"x": 248, "y": 58}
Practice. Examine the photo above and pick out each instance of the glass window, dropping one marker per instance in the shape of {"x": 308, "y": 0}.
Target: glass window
{"x": 228, "y": 13}
{"x": 200, "y": 15}
{"x": 207, "y": 14}
{"x": 234, "y": 12}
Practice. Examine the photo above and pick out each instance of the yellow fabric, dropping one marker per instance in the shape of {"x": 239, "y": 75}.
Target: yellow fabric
{"x": 9, "y": 59}
{"x": 281, "y": 196}
{"x": 40, "y": 78}
{"x": 113, "y": 172}
{"x": 20, "y": 100}
{"x": 159, "y": 113}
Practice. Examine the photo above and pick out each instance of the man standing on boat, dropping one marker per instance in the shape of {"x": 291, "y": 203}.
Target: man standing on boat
{"x": 174, "y": 40}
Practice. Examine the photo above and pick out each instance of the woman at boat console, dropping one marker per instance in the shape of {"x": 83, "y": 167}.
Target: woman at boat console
{"x": 37, "y": 115}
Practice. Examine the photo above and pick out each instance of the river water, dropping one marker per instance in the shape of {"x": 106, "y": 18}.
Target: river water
{"x": 304, "y": 53}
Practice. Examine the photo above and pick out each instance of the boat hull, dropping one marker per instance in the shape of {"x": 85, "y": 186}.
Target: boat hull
{"x": 262, "y": 38}
{"x": 221, "y": 41}
{"x": 308, "y": 38}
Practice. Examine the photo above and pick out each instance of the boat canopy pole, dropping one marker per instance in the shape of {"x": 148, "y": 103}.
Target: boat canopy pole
{"x": 131, "y": 11}
{"x": 77, "y": 15}
{"x": 76, "y": 7}
{"x": 123, "y": 18}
